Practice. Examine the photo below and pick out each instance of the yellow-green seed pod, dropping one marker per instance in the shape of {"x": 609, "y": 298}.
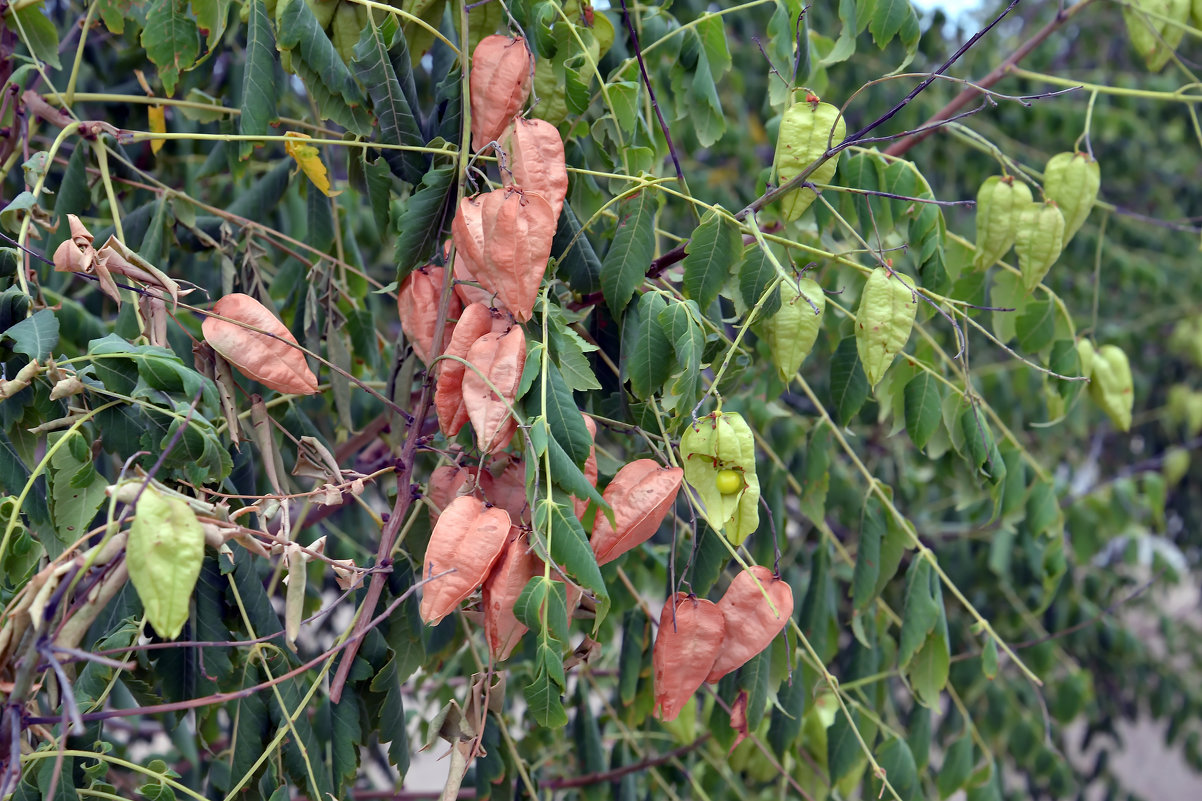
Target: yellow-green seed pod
{"x": 884, "y": 320}
{"x": 719, "y": 442}
{"x": 1111, "y": 386}
{"x": 1039, "y": 241}
{"x": 1000, "y": 200}
{"x": 807, "y": 129}
{"x": 1156, "y": 37}
{"x": 1196, "y": 13}
{"x": 792, "y": 331}
{"x": 1073, "y": 181}
{"x": 1085, "y": 353}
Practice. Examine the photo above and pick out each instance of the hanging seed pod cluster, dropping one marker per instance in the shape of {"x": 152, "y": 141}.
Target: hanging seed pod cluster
{"x": 700, "y": 641}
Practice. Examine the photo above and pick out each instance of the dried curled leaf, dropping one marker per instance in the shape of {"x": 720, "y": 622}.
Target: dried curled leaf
{"x": 417, "y": 303}
{"x": 641, "y": 494}
{"x": 752, "y": 620}
{"x": 691, "y": 632}
{"x": 518, "y": 231}
{"x": 468, "y": 538}
{"x": 308, "y": 158}
{"x": 259, "y": 345}
{"x": 884, "y": 320}
{"x": 163, "y": 554}
{"x": 500, "y": 82}
{"x": 536, "y": 160}
{"x": 500, "y": 359}
{"x": 518, "y": 564}
{"x": 475, "y": 321}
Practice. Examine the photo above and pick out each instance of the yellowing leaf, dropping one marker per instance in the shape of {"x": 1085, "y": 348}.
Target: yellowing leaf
{"x": 309, "y": 160}
{"x": 158, "y": 124}
{"x": 165, "y": 549}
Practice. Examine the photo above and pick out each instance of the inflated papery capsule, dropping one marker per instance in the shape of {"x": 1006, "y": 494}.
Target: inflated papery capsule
{"x": 1155, "y": 28}
{"x": 499, "y": 358}
{"x": 519, "y": 228}
{"x": 474, "y": 322}
{"x": 500, "y": 82}
{"x": 793, "y": 330}
{"x": 691, "y": 632}
{"x": 450, "y": 481}
{"x": 1073, "y": 181}
{"x": 718, "y": 442}
{"x": 1000, "y": 200}
{"x": 1111, "y": 385}
{"x": 641, "y": 495}
{"x": 756, "y": 607}
{"x": 536, "y": 160}
{"x": 467, "y": 232}
{"x": 807, "y": 129}
{"x": 517, "y": 565}
{"x": 417, "y": 304}
{"x": 1039, "y": 241}
{"x": 884, "y": 320}
{"x": 272, "y": 358}
{"x": 468, "y": 539}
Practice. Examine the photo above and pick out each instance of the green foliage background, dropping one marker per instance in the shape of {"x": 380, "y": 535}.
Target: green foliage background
{"x": 975, "y": 552}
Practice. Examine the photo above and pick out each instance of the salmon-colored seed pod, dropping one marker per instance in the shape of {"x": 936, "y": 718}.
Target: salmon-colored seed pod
{"x": 751, "y": 624}
{"x": 465, "y": 286}
{"x": 515, "y": 568}
{"x": 447, "y": 482}
{"x": 467, "y": 232}
{"x": 590, "y": 465}
{"x": 500, "y": 83}
{"x": 474, "y": 322}
{"x": 683, "y": 655}
{"x": 469, "y": 537}
{"x": 273, "y": 358}
{"x": 641, "y": 494}
{"x": 417, "y": 303}
{"x": 536, "y": 159}
{"x": 508, "y": 490}
{"x": 500, "y": 357}
{"x": 518, "y": 231}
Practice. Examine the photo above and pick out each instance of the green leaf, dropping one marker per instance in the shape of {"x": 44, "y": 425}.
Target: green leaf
{"x": 628, "y": 258}
{"x": 543, "y": 694}
{"x": 646, "y": 350}
{"x": 868, "y": 561}
{"x": 989, "y": 660}
{"x": 785, "y": 725}
{"x": 756, "y": 274}
{"x": 563, "y": 417}
{"x": 844, "y": 757}
{"x": 815, "y": 479}
{"x": 556, "y": 525}
{"x": 708, "y": 255}
{"x": 258, "y": 76}
{"x": 897, "y": 761}
{"x": 35, "y": 336}
{"x": 928, "y": 670}
{"x": 211, "y": 17}
{"x": 679, "y": 322}
{"x": 849, "y": 384}
{"x": 423, "y": 220}
{"x": 956, "y": 768}
{"x": 164, "y": 554}
{"x": 568, "y": 351}
{"x": 1036, "y": 326}
{"x": 566, "y": 474}
{"x": 265, "y": 194}
{"x": 538, "y": 593}
{"x": 889, "y": 18}
{"x": 35, "y": 29}
{"x": 924, "y": 404}
{"x": 635, "y": 641}
{"x": 921, "y": 612}
{"x": 755, "y": 678}
{"x": 317, "y": 62}
{"x": 171, "y": 40}
{"x": 817, "y": 615}
{"x": 576, "y": 261}
{"x": 982, "y": 451}
{"x": 398, "y": 125}
{"x": 76, "y": 493}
